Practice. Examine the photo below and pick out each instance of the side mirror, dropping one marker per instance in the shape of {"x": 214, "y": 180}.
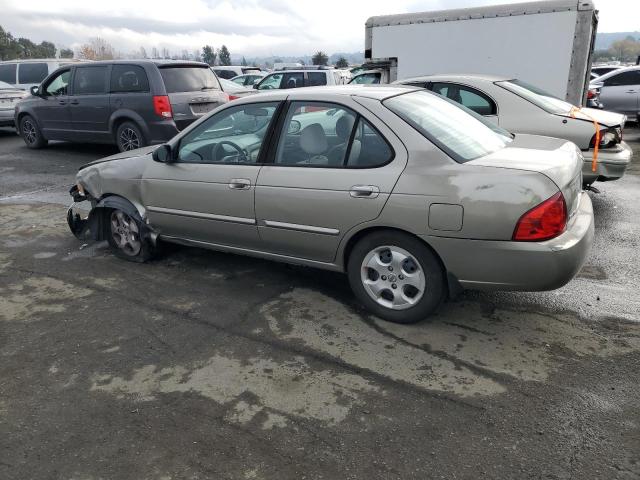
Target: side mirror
{"x": 255, "y": 86}
{"x": 163, "y": 154}
{"x": 35, "y": 91}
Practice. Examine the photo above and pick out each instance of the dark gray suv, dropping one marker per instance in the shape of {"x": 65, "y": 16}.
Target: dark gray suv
{"x": 131, "y": 103}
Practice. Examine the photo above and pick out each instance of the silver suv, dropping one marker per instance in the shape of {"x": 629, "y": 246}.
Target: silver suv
{"x": 301, "y": 78}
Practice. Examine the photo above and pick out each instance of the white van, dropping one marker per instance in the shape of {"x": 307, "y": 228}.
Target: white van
{"x": 25, "y": 74}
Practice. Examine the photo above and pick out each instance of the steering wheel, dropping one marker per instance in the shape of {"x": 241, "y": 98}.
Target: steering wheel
{"x": 242, "y": 155}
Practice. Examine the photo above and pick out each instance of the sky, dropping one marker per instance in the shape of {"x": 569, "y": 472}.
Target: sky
{"x": 248, "y": 27}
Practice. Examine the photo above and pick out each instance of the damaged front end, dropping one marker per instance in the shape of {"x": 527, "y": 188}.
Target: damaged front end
{"x": 79, "y": 226}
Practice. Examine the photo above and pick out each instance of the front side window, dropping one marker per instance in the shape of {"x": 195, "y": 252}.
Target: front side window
{"x": 239, "y": 80}
{"x": 32, "y": 72}
{"x": 318, "y": 134}
{"x": 623, "y": 79}
{"x": 234, "y": 135}
{"x": 271, "y": 82}
{"x": 537, "y": 96}
{"x": 459, "y": 132}
{"x": 59, "y": 85}
{"x": 128, "y": 78}
{"x": 367, "y": 79}
{"x": 90, "y": 81}
{"x": 188, "y": 79}
{"x": 8, "y": 73}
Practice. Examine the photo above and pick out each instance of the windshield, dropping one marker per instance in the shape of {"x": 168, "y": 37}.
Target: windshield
{"x": 538, "y": 97}
{"x": 188, "y": 79}
{"x": 459, "y": 132}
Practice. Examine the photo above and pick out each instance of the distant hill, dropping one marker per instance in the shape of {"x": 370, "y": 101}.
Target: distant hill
{"x": 604, "y": 40}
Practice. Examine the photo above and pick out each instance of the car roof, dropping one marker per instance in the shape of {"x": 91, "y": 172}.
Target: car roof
{"x": 617, "y": 71}
{"x": 151, "y": 61}
{"x": 376, "y": 92}
{"x": 458, "y": 76}
{"x": 39, "y": 60}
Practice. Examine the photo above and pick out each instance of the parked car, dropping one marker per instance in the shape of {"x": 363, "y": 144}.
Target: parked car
{"x": 234, "y": 90}
{"x": 300, "y": 78}
{"x": 522, "y": 108}
{"x": 248, "y": 79}
{"x": 131, "y": 103}
{"x": 604, "y": 69}
{"x": 368, "y": 77}
{"x": 9, "y": 97}
{"x": 619, "y": 91}
{"x": 229, "y": 71}
{"x": 403, "y": 190}
{"x": 25, "y": 74}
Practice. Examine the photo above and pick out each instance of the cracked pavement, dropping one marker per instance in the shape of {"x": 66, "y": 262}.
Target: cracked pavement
{"x": 204, "y": 365}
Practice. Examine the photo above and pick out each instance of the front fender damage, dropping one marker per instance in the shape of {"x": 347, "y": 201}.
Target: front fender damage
{"x": 94, "y": 225}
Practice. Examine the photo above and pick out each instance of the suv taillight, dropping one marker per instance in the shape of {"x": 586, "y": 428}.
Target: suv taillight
{"x": 543, "y": 222}
{"x": 162, "y": 106}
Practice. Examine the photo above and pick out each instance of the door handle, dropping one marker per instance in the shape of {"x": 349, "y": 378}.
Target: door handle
{"x": 631, "y": 91}
{"x": 240, "y": 184}
{"x": 74, "y": 102}
{"x": 62, "y": 102}
{"x": 364, "y": 191}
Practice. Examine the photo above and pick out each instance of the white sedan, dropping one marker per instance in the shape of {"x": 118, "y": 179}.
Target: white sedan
{"x": 522, "y": 108}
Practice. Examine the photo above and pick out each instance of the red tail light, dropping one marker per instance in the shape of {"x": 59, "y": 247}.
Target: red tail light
{"x": 233, "y": 97}
{"x": 591, "y": 94}
{"x": 162, "y": 106}
{"x": 546, "y": 221}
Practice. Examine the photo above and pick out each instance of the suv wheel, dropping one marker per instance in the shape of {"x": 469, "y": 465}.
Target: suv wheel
{"x": 31, "y": 133}
{"x": 396, "y": 277}
{"x": 129, "y": 137}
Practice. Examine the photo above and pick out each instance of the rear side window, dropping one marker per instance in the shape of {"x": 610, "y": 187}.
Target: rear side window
{"x": 368, "y": 149}
{"x": 188, "y": 79}
{"x": 623, "y": 79}
{"x": 316, "y": 79}
{"x": 367, "y": 79}
{"x": 226, "y": 74}
{"x": 90, "y": 81}
{"x": 8, "y": 73}
{"x": 128, "y": 78}
{"x": 32, "y": 72}
{"x": 467, "y": 96}
{"x": 293, "y": 80}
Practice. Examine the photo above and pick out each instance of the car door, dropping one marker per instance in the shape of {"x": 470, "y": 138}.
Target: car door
{"x": 89, "y": 103}
{"x": 470, "y": 97}
{"x": 330, "y": 170}
{"x": 207, "y": 194}
{"x": 621, "y": 92}
{"x": 52, "y": 108}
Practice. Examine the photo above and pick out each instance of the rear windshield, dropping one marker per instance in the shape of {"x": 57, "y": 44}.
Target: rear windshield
{"x": 188, "y": 79}
{"x": 537, "y": 96}
{"x": 459, "y": 132}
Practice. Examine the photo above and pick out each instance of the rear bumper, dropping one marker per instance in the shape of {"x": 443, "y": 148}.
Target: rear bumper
{"x": 7, "y": 118}
{"x": 161, "y": 131}
{"x": 612, "y": 164}
{"x": 524, "y": 266}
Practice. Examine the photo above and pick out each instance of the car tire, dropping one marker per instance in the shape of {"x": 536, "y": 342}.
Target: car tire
{"x": 31, "y": 134}
{"x": 124, "y": 237}
{"x": 396, "y": 276}
{"x": 129, "y": 137}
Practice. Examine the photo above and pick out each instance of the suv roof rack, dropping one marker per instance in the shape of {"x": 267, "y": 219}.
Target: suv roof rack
{"x": 307, "y": 67}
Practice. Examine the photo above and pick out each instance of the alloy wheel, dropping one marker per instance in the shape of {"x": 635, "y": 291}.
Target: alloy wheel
{"x": 393, "y": 277}
{"x": 129, "y": 139}
{"x": 29, "y": 132}
{"x": 125, "y": 233}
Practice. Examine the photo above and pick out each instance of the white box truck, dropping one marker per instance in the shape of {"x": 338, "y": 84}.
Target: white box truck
{"x": 548, "y": 44}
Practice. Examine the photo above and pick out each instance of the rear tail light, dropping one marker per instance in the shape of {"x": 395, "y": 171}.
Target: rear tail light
{"x": 233, "y": 97}
{"x": 608, "y": 138}
{"x": 591, "y": 94}
{"x": 162, "y": 106}
{"x": 546, "y": 221}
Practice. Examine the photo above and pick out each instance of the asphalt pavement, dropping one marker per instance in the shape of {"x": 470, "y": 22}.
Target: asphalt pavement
{"x": 204, "y": 365}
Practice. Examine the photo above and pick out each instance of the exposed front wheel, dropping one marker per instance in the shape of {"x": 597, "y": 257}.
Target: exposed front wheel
{"x": 31, "y": 133}
{"x": 129, "y": 137}
{"x": 126, "y": 239}
{"x": 396, "y": 276}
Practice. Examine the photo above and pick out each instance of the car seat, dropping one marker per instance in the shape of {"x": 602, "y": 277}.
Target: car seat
{"x": 313, "y": 142}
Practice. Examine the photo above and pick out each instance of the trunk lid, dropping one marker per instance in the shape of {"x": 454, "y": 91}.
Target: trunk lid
{"x": 193, "y": 91}
{"x": 559, "y": 160}
{"x": 603, "y": 117}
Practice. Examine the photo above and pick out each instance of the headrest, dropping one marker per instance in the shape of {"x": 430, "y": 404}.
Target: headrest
{"x": 344, "y": 125}
{"x": 313, "y": 139}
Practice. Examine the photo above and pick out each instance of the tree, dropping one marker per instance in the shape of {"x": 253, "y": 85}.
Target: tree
{"x": 301, "y": 62}
{"x": 244, "y": 62}
{"x": 66, "y": 53}
{"x": 154, "y": 52}
{"x": 143, "y": 53}
{"x": 196, "y": 56}
{"x": 96, "y": 49}
{"x": 86, "y": 52}
{"x": 209, "y": 55}
{"x": 342, "y": 63}
{"x": 320, "y": 58}
{"x": 224, "y": 56}
{"x": 626, "y": 50}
